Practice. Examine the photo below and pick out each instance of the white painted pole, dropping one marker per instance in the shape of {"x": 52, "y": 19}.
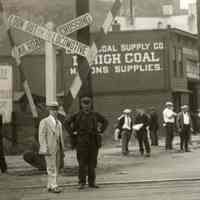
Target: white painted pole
{"x": 50, "y": 68}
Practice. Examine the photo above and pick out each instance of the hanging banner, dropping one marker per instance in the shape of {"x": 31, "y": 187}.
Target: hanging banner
{"x": 6, "y": 90}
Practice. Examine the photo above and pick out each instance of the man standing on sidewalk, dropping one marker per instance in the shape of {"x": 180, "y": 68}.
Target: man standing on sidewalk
{"x": 3, "y": 164}
{"x": 184, "y": 125}
{"x": 153, "y": 126}
{"x": 169, "y": 123}
{"x": 86, "y": 127}
{"x": 142, "y": 134}
{"x": 51, "y": 145}
{"x": 125, "y": 124}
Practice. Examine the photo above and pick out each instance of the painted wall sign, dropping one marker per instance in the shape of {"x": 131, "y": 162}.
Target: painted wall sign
{"x": 128, "y": 63}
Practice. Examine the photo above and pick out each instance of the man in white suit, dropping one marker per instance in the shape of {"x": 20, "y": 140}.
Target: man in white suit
{"x": 51, "y": 145}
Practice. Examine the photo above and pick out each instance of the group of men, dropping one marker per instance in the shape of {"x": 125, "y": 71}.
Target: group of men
{"x": 146, "y": 125}
{"x": 142, "y": 124}
{"x": 182, "y": 122}
{"x": 85, "y": 129}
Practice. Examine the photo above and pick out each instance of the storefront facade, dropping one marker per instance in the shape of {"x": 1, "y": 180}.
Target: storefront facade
{"x": 143, "y": 69}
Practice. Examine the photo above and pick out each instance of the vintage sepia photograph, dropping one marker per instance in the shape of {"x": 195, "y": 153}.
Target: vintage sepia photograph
{"x": 100, "y": 99}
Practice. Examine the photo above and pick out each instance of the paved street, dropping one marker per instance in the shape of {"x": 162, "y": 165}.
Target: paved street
{"x": 184, "y": 190}
{"x": 170, "y": 175}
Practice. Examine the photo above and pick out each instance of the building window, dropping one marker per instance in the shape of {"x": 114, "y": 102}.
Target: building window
{"x": 174, "y": 62}
{"x": 192, "y": 69}
{"x": 180, "y": 62}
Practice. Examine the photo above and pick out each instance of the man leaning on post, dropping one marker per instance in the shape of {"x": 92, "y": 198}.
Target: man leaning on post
{"x": 51, "y": 145}
{"x": 86, "y": 127}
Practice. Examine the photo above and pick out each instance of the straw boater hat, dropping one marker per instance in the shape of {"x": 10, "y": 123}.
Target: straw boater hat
{"x": 184, "y": 106}
{"x": 168, "y": 103}
{"x": 127, "y": 111}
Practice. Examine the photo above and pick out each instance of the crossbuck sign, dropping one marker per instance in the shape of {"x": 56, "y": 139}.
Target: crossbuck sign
{"x": 50, "y": 36}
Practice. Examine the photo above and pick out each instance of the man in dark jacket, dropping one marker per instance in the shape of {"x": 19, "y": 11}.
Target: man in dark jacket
{"x": 3, "y": 164}
{"x": 85, "y": 129}
{"x": 153, "y": 126}
{"x": 185, "y": 126}
{"x": 125, "y": 124}
{"x": 142, "y": 134}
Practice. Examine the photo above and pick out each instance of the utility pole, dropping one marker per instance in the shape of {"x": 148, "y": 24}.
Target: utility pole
{"x": 131, "y": 12}
{"x": 83, "y": 35}
{"x": 198, "y": 46}
{"x": 198, "y": 24}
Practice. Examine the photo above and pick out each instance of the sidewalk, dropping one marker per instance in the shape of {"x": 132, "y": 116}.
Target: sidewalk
{"x": 113, "y": 167}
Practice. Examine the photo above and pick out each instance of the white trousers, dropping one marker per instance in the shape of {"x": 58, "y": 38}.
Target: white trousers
{"x": 53, "y": 165}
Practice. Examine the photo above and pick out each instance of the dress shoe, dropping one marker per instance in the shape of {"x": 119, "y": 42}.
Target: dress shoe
{"x": 93, "y": 186}
{"x": 54, "y": 190}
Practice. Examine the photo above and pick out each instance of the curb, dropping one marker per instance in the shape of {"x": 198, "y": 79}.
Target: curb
{"x": 113, "y": 183}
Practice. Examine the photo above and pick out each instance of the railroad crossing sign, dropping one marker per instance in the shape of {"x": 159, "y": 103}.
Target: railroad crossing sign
{"x": 65, "y": 29}
{"x": 50, "y": 36}
{"x": 26, "y": 48}
{"x": 75, "y": 24}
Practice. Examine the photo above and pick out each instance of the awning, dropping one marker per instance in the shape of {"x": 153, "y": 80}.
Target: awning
{"x": 182, "y": 90}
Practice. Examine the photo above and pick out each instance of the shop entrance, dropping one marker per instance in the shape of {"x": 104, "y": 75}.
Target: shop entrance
{"x": 193, "y": 100}
{"x": 177, "y": 101}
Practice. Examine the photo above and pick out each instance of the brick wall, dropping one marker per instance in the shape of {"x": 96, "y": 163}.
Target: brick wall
{"x": 111, "y": 105}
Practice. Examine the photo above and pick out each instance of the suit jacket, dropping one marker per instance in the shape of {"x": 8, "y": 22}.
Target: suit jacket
{"x": 48, "y": 135}
{"x": 179, "y": 120}
{"x": 142, "y": 118}
{"x": 121, "y": 123}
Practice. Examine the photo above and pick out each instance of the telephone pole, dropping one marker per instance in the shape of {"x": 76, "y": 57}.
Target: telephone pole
{"x": 83, "y": 35}
{"x": 198, "y": 25}
{"x": 198, "y": 46}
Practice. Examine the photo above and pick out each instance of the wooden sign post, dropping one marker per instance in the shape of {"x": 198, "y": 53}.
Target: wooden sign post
{"x": 50, "y": 68}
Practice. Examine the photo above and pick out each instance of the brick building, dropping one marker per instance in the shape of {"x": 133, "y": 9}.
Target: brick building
{"x": 143, "y": 68}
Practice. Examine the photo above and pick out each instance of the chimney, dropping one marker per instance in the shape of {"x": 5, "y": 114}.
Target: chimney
{"x": 116, "y": 26}
{"x": 192, "y": 18}
{"x": 167, "y": 9}
{"x": 160, "y": 25}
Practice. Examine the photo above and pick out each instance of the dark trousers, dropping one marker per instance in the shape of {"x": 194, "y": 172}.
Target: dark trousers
{"x": 126, "y": 136}
{"x": 3, "y": 164}
{"x": 143, "y": 141}
{"x": 154, "y": 136}
{"x": 169, "y": 136}
{"x": 87, "y": 159}
{"x": 185, "y": 137}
